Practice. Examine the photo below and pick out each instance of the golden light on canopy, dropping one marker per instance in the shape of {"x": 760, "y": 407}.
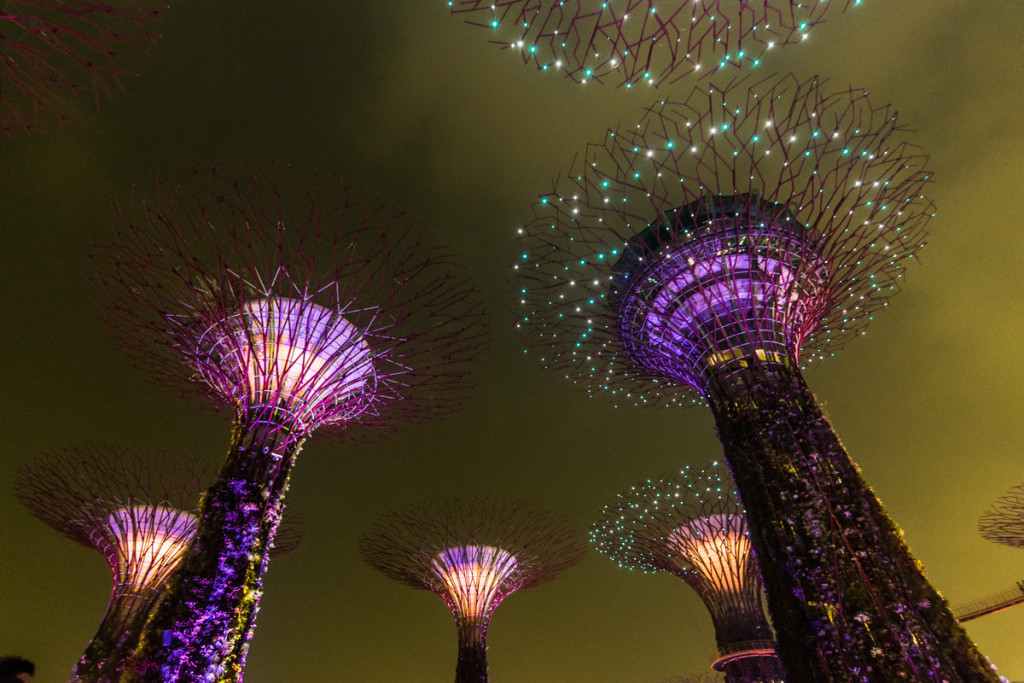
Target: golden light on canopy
{"x": 690, "y": 524}
{"x": 472, "y": 553}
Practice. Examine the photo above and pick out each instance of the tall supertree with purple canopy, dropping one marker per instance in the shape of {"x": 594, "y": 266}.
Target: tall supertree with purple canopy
{"x": 709, "y": 254}
{"x": 472, "y": 553}
{"x": 54, "y": 53}
{"x": 690, "y": 524}
{"x": 299, "y": 305}
{"x": 138, "y": 511}
{"x": 629, "y": 42}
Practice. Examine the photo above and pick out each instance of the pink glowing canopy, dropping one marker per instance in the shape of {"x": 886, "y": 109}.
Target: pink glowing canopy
{"x": 294, "y": 355}
{"x": 150, "y": 541}
{"x": 475, "y": 577}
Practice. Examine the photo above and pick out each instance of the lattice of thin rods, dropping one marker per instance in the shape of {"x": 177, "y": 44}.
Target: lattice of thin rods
{"x": 689, "y": 524}
{"x": 514, "y": 546}
{"x": 632, "y": 42}
{"x": 54, "y": 54}
{"x": 831, "y": 212}
{"x": 290, "y": 299}
{"x": 1003, "y": 522}
{"x": 136, "y": 509}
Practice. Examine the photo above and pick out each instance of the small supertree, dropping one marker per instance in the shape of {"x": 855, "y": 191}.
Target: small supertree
{"x": 137, "y": 510}
{"x": 298, "y": 307}
{"x": 1003, "y": 522}
{"x": 690, "y": 524}
{"x": 473, "y": 554}
{"x": 643, "y": 41}
{"x": 708, "y": 254}
{"x": 52, "y": 53}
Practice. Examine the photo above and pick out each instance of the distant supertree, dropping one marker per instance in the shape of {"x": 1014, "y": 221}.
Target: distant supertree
{"x": 53, "y": 52}
{"x": 138, "y": 511}
{"x": 708, "y": 254}
{"x": 473, "y": 554}
{"x": 1003, "y": 522}
{"x": 690, "y": 524}
{"x": 643, "y": 41}
{"x": 299, "y": 307}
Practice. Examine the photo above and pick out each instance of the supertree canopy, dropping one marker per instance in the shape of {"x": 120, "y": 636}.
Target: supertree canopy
{"x": 708, "y": 254}
{"x": 298, "y": 307}
{"x": 53, "y": 53}
{"x": 137, "y": 511}
{"x": 472, "y": 553}
{"x": 1003, "y": 522}
{"x": 643, "y": 41}
{"x": 690, "y": 524}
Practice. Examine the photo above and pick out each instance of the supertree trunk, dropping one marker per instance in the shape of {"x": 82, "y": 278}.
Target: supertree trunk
{"x": 472, "y": 664}
{"x": 836, "y": 570}
{"x": 201, "y": 629}
{"x": 116, "y": 638}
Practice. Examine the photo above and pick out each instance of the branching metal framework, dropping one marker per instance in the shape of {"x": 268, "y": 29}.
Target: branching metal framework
{"x": 690, "y": 524}
{"x": 709, "y": 254}
{"x": 1003, "y": 522}
{"x": 644, "y": 41}
{"x": 137, "y": 511}
{"x": 53, "y": 53}
{"x": 472, "y": 553}
{"x": 299, "y": 305}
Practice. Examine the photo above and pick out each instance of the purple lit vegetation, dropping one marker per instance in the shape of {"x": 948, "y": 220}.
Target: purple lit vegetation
{"x": 643, "y": 41}
{"x": 138, "y": 512}
{"x": 473, "y": 554}
{"x": 709, "y": 254}
{"x": 54, "y": 53}
{"x": 298, "y": 305}
{"x": 689, "y": 524}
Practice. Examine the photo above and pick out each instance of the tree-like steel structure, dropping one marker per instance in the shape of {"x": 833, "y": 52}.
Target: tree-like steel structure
{"x": 138, "y": 511}
{"x": 629, "y": 42}
{"x": 299, "y": 307}
{"x": 1003, "y": 522}
{"x": 709, "y": 254}
{"x": 473, "y": 553}
{"x": 53, "y": 53}
{"x": 690, "y": 524}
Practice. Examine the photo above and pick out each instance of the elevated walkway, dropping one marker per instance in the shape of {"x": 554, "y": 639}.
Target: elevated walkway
{"x": 990, "y": 604}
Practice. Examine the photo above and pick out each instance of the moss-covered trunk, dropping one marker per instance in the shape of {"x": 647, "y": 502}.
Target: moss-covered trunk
{"x": 847, "y": 599}
{"x": 201, "y": 629}
{"x": 116, "y": 637}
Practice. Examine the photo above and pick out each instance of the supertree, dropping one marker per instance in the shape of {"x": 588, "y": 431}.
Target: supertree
{"x": 690, "y": 524}
{"x": 52, "y": 53}
{"x": 298, "y": 307}
{"x": 1003, "y": 522}
{"x": 709, "y": 254}
{"x": 643, "y": 41}
{"x": 473, "y": 553}
{"x": 138, "y": 510}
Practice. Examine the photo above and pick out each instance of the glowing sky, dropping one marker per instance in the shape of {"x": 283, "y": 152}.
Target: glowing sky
{"x": 419, "y": 108}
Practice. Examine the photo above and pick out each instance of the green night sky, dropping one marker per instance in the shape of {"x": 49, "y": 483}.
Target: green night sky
{"x": 418, "y": 108}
